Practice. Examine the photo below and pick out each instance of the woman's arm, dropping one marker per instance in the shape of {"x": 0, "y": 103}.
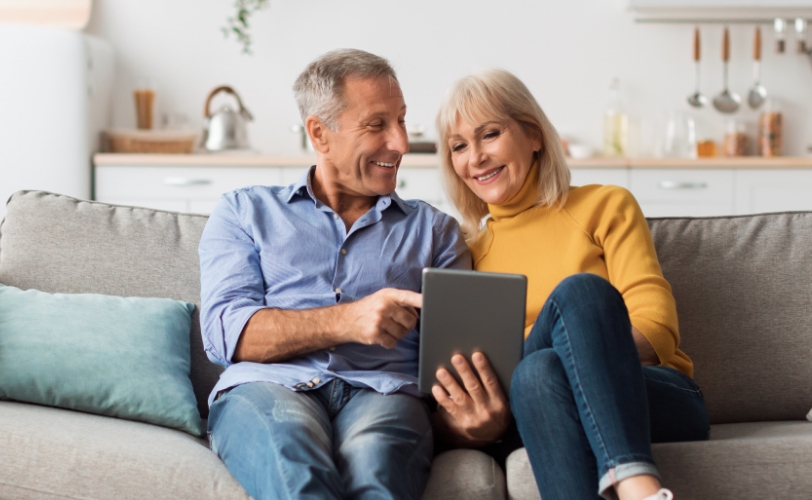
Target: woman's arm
{"x": 619, "y": 227}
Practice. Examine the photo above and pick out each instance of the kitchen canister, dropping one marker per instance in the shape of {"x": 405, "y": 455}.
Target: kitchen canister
{"x": 771, "y": 129}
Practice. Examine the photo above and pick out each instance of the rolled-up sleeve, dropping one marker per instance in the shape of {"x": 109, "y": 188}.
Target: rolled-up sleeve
{"x": 449, "y": 248}
{"x": 231, "y": 282}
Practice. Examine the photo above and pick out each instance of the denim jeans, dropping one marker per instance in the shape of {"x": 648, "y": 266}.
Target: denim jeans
{"x": 586, "y": 410}
{"x": 333, "y": 442}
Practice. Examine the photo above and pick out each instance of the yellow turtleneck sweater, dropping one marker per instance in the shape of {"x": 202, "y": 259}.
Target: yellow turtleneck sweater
{"x": 600, "y": 230}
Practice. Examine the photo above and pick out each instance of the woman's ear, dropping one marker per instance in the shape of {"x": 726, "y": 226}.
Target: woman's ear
{"x": 538, "y": 141}
{"x": 318, "y": 132}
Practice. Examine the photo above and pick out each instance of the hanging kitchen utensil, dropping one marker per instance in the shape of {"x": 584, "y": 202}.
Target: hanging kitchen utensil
{"x": 726, "y": 101}
{"x": 226, "y": 128}
{"x": 696, "y": 99}
{"x": 757, "y": 94}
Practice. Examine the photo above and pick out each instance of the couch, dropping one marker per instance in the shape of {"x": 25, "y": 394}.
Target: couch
{"x": 744, "y": 299}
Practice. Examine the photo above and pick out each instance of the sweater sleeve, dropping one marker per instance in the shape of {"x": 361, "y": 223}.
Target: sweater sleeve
{"x": 631, "y": 261}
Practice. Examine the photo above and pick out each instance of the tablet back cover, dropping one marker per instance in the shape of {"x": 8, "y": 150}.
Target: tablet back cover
{"x": 467, "y": 311}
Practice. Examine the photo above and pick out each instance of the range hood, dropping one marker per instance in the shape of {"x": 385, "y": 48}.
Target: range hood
{"x": 719, "y": 11}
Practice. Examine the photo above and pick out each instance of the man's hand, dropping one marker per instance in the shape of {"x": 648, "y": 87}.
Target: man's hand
{"x": 382, "y": 318}
{"x": 476, "y": 414}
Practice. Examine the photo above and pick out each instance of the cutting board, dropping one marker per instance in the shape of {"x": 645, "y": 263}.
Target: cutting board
{"x": 69, "y": 14}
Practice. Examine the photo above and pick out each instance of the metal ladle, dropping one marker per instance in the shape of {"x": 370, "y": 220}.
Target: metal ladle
{"x": 726, "y": 101}
{"x": 757, "y": 94}
{"x": 696, "y": 99}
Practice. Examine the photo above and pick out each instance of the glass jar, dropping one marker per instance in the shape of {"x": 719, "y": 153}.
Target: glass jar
{"x": 736, "y": 141}
{"x": 771, "y": 129}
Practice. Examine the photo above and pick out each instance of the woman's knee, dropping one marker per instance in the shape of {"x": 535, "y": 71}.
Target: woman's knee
{"x": 537, "y": 375}
{"x": 585, "y": 285}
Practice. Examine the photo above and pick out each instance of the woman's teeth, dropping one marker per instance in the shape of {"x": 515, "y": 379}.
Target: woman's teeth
{"x": 382, "y": 164}
{"x": 488, "y": 176}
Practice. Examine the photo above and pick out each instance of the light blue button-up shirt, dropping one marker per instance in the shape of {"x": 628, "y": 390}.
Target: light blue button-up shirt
{"x": 280, "y": 247}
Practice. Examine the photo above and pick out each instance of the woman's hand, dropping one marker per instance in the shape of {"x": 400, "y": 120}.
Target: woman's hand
{"x": 476, "y": 414}
{"x": 648, "y": 356}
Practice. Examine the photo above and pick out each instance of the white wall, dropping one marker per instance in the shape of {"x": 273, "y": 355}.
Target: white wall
{"x": 566, "y": 52}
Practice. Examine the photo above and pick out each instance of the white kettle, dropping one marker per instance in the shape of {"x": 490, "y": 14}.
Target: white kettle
{"x": 226, "y": 128}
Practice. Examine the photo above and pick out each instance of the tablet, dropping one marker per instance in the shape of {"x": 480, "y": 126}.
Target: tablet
{"x": 467, "y": 311}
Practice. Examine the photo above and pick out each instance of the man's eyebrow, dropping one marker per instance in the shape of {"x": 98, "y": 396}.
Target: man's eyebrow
{"x": 377, "y": 114}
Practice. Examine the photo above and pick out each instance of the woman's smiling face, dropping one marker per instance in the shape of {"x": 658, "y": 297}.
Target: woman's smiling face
{"x": 492, "y": 157}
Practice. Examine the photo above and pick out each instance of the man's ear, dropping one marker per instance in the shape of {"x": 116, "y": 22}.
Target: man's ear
{"x": 318, "y": 132}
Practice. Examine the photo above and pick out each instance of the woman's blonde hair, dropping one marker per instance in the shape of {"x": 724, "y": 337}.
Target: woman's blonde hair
{"x": 499, "y": 94}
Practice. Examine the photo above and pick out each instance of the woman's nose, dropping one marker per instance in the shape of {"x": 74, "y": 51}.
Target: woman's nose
{"x": 476, "y": 156}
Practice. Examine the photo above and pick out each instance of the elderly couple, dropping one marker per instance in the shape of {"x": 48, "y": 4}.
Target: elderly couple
{"x": 311, "y": 295}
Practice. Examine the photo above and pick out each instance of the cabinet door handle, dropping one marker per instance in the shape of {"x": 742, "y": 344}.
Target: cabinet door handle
{"x": 184, "y": 181}
{"x": 682, "y": 185}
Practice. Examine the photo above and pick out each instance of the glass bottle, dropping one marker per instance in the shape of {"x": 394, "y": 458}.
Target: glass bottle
{"x": 771, "y": 129}
{"x": 615, "y": 125}
{"x": 736, "y": 143}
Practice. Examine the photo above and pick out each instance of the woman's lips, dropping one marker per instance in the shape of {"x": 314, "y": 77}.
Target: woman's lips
{"x": 490, "y": 176}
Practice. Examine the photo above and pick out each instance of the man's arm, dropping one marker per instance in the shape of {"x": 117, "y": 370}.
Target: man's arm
{"x": 237, "y": 325}
{"x": 383, "y": 318}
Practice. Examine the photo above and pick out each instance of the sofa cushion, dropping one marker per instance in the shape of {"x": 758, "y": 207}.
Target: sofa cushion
{"x": 744, "y": 299}
{"x": 745, "y": 460}
{"x": 50, "y": 453}
{"x": 123, "y": 357}
{"x": 59, "y": 244}
{"x": 468, "y": 474}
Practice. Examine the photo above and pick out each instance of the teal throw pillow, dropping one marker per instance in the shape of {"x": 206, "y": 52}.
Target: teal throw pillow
{"x": 121, "y": 357}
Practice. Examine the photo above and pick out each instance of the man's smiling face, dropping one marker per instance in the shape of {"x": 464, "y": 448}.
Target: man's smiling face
{"x": 371, "y": 138}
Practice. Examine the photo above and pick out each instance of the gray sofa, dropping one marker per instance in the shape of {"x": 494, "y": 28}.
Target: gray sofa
{"x": 744, "y": 298}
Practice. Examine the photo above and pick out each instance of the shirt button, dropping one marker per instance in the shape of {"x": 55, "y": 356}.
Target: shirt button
{"x": 335, "y": 216}
{"x": 338, "y": 290}
{"x": 343, "y": 251}
{"x": 316, "y": 380}
{"x": 310, "y": 384}
{"x": 332, "y": 348}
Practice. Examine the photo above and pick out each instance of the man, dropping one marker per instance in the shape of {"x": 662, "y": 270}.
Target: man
{"x": 309, "y": 298}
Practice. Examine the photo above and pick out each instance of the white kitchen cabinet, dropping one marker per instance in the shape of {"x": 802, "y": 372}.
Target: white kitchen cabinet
{"x": 613, "y": 176}
{"x": 177, "y": 188}
{"x": 773, "y": 190}
{"x": 198, "y": 188}
{"x": 683, "y": 192}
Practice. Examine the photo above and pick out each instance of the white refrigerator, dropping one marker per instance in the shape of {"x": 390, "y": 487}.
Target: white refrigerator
{"x": 55, "y": 98}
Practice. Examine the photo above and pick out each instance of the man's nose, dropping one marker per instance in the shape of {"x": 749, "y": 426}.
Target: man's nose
{"x": 398, "y": 140}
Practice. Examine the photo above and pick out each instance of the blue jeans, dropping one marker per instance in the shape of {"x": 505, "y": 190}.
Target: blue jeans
{"x": 586, "y": 410}
{"x": 333, "y": 442}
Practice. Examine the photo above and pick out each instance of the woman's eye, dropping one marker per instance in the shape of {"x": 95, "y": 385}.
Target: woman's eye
{"x": 457, "y": 147}
{"x": 491, "y": 134}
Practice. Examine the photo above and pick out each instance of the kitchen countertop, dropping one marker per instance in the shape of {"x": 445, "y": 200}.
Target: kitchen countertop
{"x": 430, "y": 160}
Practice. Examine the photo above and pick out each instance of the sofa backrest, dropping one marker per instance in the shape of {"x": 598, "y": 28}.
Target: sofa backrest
{"x": 743, "y": 287}
{"x": 59, "y": 244}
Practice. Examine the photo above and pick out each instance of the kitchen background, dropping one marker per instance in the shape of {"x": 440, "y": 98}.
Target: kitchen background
{"x": 566, "y": 51}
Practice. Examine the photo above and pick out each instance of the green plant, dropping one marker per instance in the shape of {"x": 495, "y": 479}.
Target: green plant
{"x": 238, "y": 25}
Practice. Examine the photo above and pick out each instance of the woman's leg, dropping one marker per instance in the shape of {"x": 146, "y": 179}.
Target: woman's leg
{"x": 579, "y": 396}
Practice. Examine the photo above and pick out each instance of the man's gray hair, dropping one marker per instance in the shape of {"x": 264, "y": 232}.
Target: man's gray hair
{"x": 319, "y": 90}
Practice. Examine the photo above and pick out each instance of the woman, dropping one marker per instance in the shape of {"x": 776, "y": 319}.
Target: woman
{"x": 602, "y": 375}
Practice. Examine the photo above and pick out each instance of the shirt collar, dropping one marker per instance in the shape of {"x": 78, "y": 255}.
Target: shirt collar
{"x": 304, "y": 187}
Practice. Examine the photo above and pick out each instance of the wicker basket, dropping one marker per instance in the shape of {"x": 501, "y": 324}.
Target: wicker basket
{"x": 149, "y": 141}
